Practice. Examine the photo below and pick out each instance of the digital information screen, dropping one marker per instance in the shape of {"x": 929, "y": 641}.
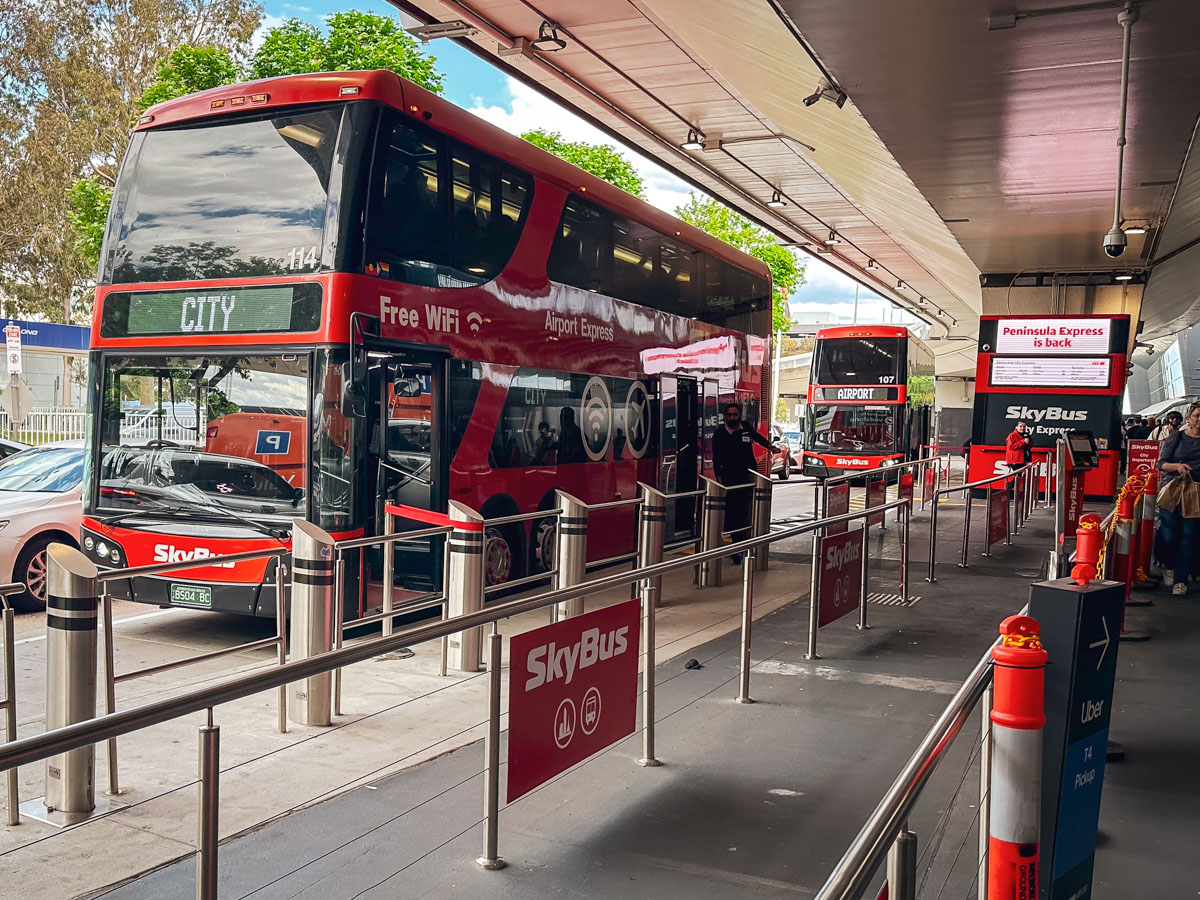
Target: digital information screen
{"x": 1040, "y": 371}
{"x": 1053, "y": 336}
{"x": 201, "y": 311}
{"x": 859, "y": 393}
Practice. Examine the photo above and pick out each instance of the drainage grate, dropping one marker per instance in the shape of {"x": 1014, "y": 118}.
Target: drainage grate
{"x": 891, "y": 599}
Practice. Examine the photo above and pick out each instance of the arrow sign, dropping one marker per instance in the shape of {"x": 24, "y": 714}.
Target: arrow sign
{"x": 1103, "y": 643}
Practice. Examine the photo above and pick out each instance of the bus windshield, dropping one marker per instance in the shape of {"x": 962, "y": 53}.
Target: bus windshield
{"x": 227, "y": 198}
{"x": 857, "y": 429}
{"x": 205, "y": 434}
{"x": 858, "y": 360}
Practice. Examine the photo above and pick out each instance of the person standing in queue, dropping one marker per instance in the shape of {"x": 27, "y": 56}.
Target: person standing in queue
{"x": 1177, "y": 543}
{"x": 1018, "y": 448}
{"x": 733, "y": 461}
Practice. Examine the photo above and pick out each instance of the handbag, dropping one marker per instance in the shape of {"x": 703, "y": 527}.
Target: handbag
{"x": 1173, "y": 495}
{"x": 1189, "y": 505}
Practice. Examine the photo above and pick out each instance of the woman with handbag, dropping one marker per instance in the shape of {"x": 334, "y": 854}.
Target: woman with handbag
{"x": 1178, "y": 541}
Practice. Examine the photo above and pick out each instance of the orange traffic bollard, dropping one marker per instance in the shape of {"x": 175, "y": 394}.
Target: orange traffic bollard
{"x": 1018, "y": 714}
{"x": 1089, "y": 541}
{"x": 1145, "y": 543}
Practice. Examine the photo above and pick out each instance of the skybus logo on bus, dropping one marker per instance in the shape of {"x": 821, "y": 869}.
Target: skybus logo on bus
{"x": 169, "y": 553}
{"x": 851, "y": 461}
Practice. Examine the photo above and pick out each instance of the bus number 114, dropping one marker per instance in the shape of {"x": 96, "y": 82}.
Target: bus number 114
{"x": 302, "y": 258}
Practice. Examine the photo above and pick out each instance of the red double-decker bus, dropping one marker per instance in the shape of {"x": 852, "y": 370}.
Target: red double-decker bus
{"x": 858, "y": 415}
{"x": 360, "y": 293}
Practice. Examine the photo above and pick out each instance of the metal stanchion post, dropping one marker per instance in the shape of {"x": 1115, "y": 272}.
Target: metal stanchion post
{"x": 389, "y": 568}
{"x": 445, "y": 641}
{"x": 110, "y": 687}
{"x": 466, "y": 584}
{"x": 491, "y": 751}
{"x": 902, "y": 867}
{"x": 648, "y": 676}
{"x": 962, "y": 563}
{"x": 652, "y": 522}
{"x": 863, "y": 591}
{"x": 985, "y": 790}
{"x": 747, "y": 612}
{"x": 712, "y": 530}
{"x": 570, "y": 556}
{"x": 10, "y": 708}
{"x": 1009, "y": 501}
{"x": 72, "y": 612}
{"x": 208, "y": 813}
{"x": 339, "y": 624}
{"x": 987, "y": 519}
{"x": 906, "y": 524}
{"x": 933, "y": 517}
{"x": 761, "y": 516}
{"x": 312, "y": 634}
{"x": 281, "y": 634}
{"x": 813, "y": 587}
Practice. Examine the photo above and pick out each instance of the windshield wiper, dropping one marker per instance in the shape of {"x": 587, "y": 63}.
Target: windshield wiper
{"x": 160, "y": 505}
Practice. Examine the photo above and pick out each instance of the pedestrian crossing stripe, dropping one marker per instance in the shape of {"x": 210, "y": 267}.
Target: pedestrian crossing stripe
{"x": 891, "y": 599}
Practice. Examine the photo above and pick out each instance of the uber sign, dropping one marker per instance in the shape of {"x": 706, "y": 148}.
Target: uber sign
{"x": 272, "y": 443}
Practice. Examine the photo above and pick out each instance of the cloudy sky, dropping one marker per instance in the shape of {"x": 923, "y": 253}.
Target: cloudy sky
{"x": 475, "y": 85}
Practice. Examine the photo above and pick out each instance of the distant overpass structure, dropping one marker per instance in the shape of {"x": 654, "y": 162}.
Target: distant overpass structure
{"x": 956, "y": 158}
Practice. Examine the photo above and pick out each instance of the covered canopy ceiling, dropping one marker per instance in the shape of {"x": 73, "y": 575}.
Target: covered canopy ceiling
{"x": 961, "y": 151}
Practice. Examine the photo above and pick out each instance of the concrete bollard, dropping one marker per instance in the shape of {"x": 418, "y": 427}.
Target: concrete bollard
{"x": 312, "y": 620}
{"x": 650, "y": 536}
{"x": 72, "y": 605}
{"x": 570, "y": 555}
{"x": 465, "y": 585}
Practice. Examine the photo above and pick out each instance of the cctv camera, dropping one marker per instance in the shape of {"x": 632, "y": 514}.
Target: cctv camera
{"x": 812, "y": 99}
{"x": 1114, "y": 243}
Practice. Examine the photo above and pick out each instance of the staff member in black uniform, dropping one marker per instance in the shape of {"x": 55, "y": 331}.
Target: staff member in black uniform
{"x": 733, "y": 461}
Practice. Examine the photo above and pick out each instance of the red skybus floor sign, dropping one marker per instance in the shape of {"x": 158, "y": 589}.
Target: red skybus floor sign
{"x": 839, "y": 505}
{"x": 572, "y": 691}
{"x": 997, "y": 517}
{"x": 840, "y": 575}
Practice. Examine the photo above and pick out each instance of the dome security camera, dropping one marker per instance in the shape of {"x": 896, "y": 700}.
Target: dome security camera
{"x": 1114, "y": 243}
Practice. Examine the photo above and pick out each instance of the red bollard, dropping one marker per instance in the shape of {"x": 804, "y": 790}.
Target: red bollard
{"x": 1014, "y": 829}
{"x": 1089, "y": 541}
{"x": 1122, "y": 568}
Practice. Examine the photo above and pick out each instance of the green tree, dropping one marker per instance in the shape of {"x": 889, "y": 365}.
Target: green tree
{"x": 71, "y": 73}
{"x": 356, "y": 41}
{"x": 188, "y": 70}
{"x": 88, "y": 211}
{"x": 920, "y": 390}
{"x": 602, "y": 160}
{"x": 720, "y": 221}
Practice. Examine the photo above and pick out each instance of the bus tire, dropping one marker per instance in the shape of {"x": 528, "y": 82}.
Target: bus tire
{"x": 543, "y": 538}
{"x": 502, "y": 554}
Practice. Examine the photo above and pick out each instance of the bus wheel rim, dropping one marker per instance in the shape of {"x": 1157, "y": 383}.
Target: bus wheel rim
{"x": 546, "y": 540}
{"x": 497, "y": 557}
{"x": 35, "y": 576}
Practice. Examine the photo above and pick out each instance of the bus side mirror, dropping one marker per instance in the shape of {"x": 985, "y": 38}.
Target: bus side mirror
{"x": 354, "y": 399}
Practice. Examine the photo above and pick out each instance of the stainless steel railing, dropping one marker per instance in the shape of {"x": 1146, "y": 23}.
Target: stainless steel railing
{"x": 870, "y": 848}
{"x": 1027, "y": 472}
{"x": 9, "y": 703}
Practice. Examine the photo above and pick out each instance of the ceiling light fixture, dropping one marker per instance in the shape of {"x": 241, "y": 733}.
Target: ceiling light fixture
{"x": 833, "y": 239}
{"x": 1124, "y": 276}
{"x": 872, "y": 265}
{"x": 695, "y": 141}
{"x": 548, "y": 40}
{"x": 1135, "y": 229}
{"x": 434, "y": 30}
{"x": 776, "y": 202}
{"x": 921, "y": 301}
{"x": 940, "y": 314}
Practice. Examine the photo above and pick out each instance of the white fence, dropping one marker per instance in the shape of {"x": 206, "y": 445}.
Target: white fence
{"x": 65, "y": 423}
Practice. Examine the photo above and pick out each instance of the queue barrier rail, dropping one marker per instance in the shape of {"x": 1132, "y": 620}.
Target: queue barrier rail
{"x": 1026, "y": 472}
{"x": 114, "y": 724}
{"x": 9, "y": 703}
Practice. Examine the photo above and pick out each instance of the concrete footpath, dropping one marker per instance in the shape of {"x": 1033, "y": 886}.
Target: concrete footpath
{"x": 756, "y": 800}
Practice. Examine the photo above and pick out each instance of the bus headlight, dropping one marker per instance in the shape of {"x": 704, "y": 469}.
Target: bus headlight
{"x": 887, "y": 463}
{"x": 88, "y": 542}
{"x": 102, "y": 548}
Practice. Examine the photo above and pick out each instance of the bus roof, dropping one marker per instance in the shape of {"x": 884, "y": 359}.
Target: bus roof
{"x": 863, "y": 331}
{"x": 401, "y": 94}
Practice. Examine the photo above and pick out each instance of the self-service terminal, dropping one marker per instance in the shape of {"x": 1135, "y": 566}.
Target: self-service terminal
{"x": 1075, "y": 456}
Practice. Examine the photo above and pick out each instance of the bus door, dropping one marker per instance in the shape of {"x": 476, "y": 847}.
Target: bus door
{"x": 678, "y": 440}
{"x": 405, "y": 463}
{"x": 710, "y": 421}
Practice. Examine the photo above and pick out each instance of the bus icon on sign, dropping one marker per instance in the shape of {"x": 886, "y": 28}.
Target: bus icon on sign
{"x": 272, "y": 443}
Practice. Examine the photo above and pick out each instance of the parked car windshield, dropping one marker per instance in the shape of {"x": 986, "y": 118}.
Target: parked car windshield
{"x": 50, "y": 470}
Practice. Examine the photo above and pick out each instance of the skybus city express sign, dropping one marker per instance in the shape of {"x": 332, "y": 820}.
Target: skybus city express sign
{"x": 572, "y": 692}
